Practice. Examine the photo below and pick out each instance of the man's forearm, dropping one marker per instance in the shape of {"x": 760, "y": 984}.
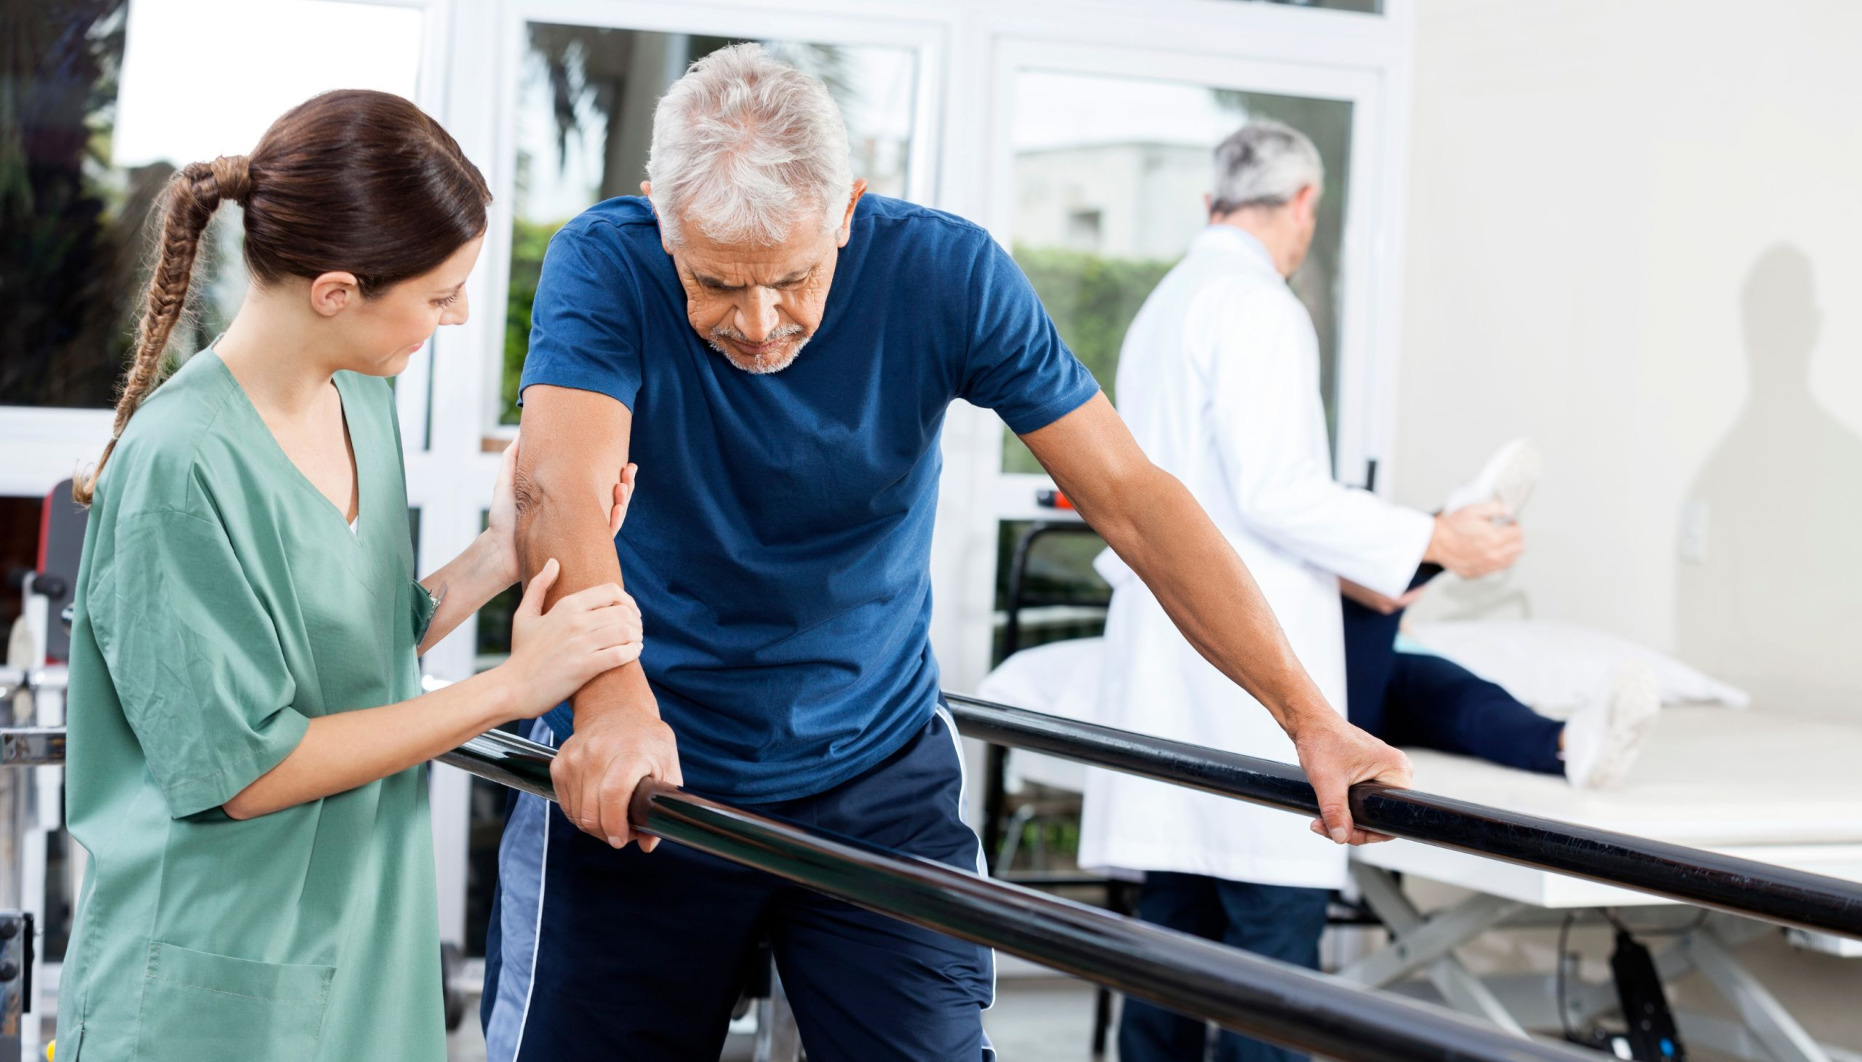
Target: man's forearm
{"x": 1158, "y": 528}
{"x": 574, "y": 531}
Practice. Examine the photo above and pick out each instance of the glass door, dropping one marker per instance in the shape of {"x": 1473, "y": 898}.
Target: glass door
{"x": 1099, "y": 159}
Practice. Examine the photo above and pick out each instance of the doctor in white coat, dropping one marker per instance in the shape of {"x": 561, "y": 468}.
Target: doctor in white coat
{"x": 1219, "y": 381}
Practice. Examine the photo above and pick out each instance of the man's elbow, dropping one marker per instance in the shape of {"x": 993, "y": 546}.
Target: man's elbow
{"x": 540, "y": 489}
{"x": 557, "y": 497}
{"x": 1135, "y": 493}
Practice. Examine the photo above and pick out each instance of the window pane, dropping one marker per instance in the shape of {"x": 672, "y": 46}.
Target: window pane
{"x": 585, "y": 118}
{"x": 94, "y": 126}
{"x": 1109, "y": 179}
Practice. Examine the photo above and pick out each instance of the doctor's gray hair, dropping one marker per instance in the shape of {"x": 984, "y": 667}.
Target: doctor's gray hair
{"x": 744, "y": 147}
{"x": 1264, "y": 164}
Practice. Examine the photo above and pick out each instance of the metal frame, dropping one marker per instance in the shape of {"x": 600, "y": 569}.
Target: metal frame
{"x": 1777, "y": 894}
{"x": 996, "y": 762}
{"x": 1426, "y": 944}
{"x": 1198, "y": 977}
{"x": 1232, "y": 988}
{"x": 1766, "y": 1031}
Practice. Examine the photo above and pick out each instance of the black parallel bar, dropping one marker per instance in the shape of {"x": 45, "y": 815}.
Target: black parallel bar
{"x": 1691, "y": 875}
{"x": 1236, "y": 990}
{"x": 32, "y": 746}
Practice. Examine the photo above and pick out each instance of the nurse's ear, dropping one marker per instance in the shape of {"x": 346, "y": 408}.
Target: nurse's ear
{"x": 332, "y": 293}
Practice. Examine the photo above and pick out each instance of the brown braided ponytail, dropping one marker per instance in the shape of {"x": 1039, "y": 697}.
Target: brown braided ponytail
{"x": 193, "y": 194}
{"x": 354, "y": 180}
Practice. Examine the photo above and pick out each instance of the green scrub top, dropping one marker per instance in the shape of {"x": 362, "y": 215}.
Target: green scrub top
{"x": 223, "y": 603}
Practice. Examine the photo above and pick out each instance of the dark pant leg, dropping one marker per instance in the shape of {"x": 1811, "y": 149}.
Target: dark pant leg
{"x": 865, "y": 987}
{"x": 1370, "y": 653}
{"x": 637, "y": 956}
{"x": 1279, "y": 922}
{"x": 1150, "y": 1033}
{"x": 1435, "y": 703}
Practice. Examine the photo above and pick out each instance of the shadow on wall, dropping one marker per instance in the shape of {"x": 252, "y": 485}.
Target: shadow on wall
{"x": 1769, "y": 591}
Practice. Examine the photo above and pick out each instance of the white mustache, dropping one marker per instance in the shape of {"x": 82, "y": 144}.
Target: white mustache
{"x": 779, "y": 332}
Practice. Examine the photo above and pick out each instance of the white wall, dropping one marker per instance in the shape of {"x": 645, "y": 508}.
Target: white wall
{"x": 1593, "y": 187}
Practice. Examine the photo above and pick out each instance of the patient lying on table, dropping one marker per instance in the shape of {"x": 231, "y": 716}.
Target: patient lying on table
{"x": 1408, "y": 696}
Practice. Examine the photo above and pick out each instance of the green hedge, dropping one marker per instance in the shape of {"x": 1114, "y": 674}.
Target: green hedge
{"x": 1092, "y": 300}
{"x": 529, "y": 239}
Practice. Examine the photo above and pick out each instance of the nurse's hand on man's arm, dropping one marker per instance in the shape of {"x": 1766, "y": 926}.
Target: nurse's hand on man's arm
{"x": 501, "y": 518}
{"x": 555, "y": 652}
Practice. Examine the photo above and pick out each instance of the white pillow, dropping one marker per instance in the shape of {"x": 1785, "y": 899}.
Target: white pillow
{"x": 1059, "y": 678}
{"x": 1557, "y": 667}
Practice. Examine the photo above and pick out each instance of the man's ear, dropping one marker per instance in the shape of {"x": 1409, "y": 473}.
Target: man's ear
{"x": 1306, "y": 202}
{"x": 646, "y": 189}
{"x": 846, "y": 222}
{"x": 332, "y": 293}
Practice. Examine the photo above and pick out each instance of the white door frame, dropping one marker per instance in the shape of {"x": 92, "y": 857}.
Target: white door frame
{"x": 968, "y": 51}
{"x": 1253, "y": 47}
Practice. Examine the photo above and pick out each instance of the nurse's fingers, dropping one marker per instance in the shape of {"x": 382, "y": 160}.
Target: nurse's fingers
{"x": 623, "y": 494}
{"x": 601, "y": 595}
{"x": 615, "y": 626}
{"x": 539, "y": 588}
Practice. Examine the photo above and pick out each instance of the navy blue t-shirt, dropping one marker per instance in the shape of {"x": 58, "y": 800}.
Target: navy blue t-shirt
{"x": 779, "y": 545}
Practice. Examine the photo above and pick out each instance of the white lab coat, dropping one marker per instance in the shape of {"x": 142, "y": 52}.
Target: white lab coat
{"x": 1219, "y": 381}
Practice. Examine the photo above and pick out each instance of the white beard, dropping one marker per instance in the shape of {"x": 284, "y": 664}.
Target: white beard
{"x": 757, "y": 366}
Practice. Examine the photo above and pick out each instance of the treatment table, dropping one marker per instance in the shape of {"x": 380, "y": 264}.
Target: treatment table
{"x": 1761, "y": 785}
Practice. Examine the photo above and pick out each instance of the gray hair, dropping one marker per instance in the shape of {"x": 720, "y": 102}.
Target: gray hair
{"x": 744, "y": 147}
{"x": 1265, "y": 164}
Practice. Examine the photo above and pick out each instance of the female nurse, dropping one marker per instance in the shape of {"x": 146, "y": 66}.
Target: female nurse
{"x": 246, "y": 738}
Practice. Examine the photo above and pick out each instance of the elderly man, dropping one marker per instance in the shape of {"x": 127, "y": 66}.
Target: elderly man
{"x": 1219, "y": 383}
{"x": 776, "y": 350}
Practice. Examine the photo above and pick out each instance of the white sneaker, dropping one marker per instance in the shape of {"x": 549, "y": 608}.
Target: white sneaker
{"x": 1508, "y": 478}
{"x": 1603, "y": 738}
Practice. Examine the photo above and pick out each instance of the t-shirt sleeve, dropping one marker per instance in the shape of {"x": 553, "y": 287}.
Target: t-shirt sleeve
{"x": 195, "y": 660}
{"x": 585, "y": 320}
{"x": 1016, "y": 363}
